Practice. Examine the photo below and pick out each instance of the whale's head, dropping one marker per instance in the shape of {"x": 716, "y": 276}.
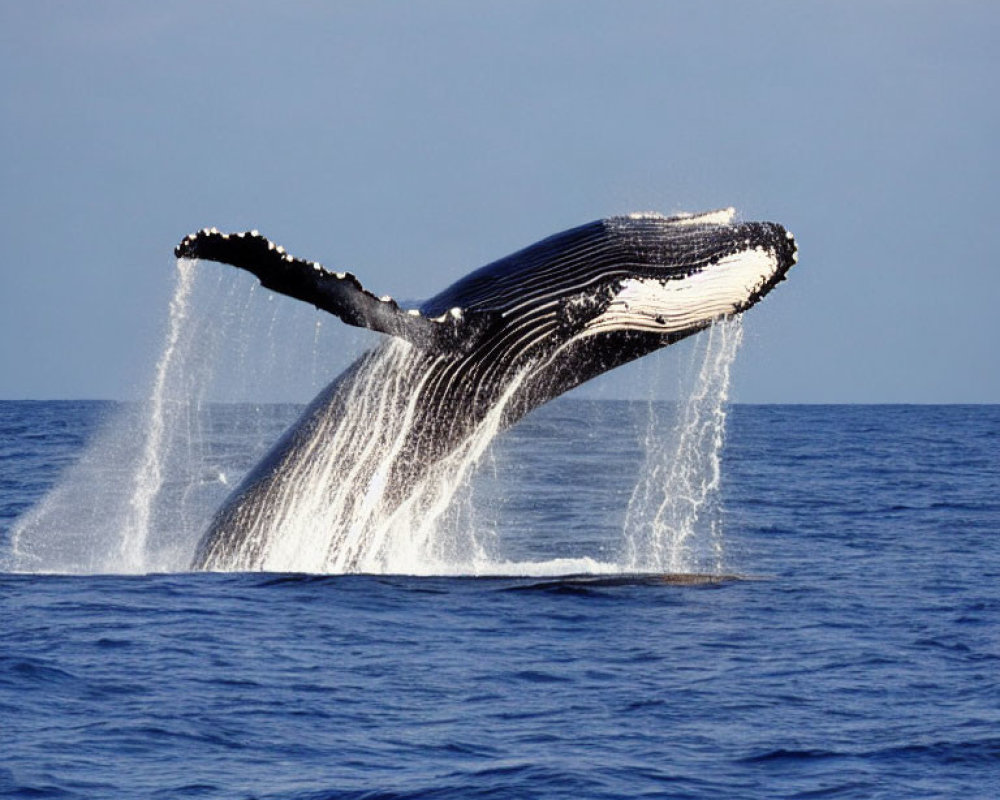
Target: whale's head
{"x": 666, "y": 276}
{"x": 615, "y": 289}
{"x": 678, "y": 274}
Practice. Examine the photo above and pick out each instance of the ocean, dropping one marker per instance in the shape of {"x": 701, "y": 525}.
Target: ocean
{"x": 838, "y": 638}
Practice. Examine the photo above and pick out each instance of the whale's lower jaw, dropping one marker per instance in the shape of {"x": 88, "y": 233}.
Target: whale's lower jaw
{"x": 515, "y": 334}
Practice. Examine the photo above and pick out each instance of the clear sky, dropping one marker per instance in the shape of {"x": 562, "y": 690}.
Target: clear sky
{"x": 412, "y": 142}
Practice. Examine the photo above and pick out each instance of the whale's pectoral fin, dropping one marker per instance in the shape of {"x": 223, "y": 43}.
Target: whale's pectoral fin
{"x": 340, "y": 293}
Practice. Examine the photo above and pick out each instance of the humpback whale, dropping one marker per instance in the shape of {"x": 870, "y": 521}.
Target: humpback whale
{"x": 504, "y": 339}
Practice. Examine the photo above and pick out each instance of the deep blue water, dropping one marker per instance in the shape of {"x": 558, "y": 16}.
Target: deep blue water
{"x": 857, "y": 657}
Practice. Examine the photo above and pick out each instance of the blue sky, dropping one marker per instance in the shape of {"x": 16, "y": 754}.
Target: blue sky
{"x": 412, "y": 142}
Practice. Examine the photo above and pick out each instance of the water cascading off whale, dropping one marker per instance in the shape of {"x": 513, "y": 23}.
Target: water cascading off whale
{"x": 500, "y": 341}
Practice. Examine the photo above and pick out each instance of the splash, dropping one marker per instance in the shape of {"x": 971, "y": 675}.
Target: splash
{"x": 144, "y": 489}
{"x": 674, "y": 519}
{"x": 153, "y": 473}
{"x": 135, "y": 479}
{"x": 149, "y": 475}
{"x": 333, "y": 509}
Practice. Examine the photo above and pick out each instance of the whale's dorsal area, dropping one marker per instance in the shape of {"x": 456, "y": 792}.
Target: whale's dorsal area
{"x": 486, "y": 350}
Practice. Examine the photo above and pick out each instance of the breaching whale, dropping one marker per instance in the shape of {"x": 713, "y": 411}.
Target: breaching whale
{"x": 507, "y": 337}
